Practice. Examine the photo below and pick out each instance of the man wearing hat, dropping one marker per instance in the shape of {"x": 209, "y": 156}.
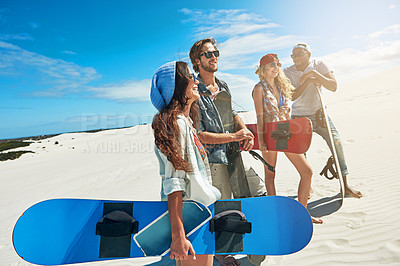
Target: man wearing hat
{"x": 305, "y": 75}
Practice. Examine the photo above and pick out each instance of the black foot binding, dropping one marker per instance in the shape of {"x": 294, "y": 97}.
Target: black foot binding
{"x": 329, "y": 167}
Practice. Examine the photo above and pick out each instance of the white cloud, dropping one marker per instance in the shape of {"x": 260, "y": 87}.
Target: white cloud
{"x": 392, "y": 29}
{"x": 241, "y": 87}
{"x": 246, "y": 36}
{"x": 225, "y": 23}
{"x": 381, "y": 52}
{"x": 220, "y": 16}
{"x": 129, "y": 91}
{"x": 243, "y": 39}
{"x": 56, "y": 76}
{"x": 233, "y": 29}
{"x": 19, "y": 36}
{"x": 351, "y": 64}
{"x": 241, "y": 35}
{"x": 236, "y": 51}
{"x": 68, "y": 52}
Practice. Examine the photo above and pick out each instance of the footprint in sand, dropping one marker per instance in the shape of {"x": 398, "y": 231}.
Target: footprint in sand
{"x": 390, "y": 252}
{"x": 356, "y": 224}
{"x": 356, "y": 219}
{"x": 394, "y": 245}
{"x": 334, "y": 244}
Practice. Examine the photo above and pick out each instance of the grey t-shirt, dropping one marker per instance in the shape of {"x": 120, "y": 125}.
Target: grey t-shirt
{"x": 308, "y": 103}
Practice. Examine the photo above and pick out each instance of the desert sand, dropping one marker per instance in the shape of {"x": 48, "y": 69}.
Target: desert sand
{"x": 121, "y": 165}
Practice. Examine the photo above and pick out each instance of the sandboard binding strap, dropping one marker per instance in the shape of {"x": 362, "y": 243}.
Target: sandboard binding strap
{"x": 259, "y": 157}
{"x": 280, "y": 134}
{"x": 117, "y": 223}
{"x": 329, "y": 167}
{"x": 225, "y": 221}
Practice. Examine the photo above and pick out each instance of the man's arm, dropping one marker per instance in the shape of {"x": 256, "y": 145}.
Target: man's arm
{"x": 300, "y": 89}
{"x": 328, "y": 80}
{"x": 239, "y": 124}
{"x": 243, "y": 134}
{"x": 220, "y": 138}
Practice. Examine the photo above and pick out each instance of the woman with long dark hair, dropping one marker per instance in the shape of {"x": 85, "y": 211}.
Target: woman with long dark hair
{"x": 183, "y": 160}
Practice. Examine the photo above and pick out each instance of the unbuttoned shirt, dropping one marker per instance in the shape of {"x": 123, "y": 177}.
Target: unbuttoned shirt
{"x": 210, "y": 120}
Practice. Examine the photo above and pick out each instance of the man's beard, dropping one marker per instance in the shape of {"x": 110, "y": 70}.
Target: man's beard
{"x": 207, "y": 68}
{"x": 301, "y": 65}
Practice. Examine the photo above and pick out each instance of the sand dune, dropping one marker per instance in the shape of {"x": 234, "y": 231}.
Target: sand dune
{"x": 120, "y": 164}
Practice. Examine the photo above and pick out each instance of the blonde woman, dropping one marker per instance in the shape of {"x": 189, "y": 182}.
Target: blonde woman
{"x": 271, "y": 101}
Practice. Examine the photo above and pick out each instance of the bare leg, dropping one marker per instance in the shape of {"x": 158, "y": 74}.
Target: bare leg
{"x": 350, "y": 191}
{"x": 271, "y": 158}
{"x": 305, "y": 171}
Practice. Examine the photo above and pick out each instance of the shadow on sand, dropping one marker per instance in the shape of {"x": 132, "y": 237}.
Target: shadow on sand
{"x": 325, "y": 206}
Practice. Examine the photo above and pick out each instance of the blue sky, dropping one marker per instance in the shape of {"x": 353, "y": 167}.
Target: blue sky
{"x": 71, "y": 65}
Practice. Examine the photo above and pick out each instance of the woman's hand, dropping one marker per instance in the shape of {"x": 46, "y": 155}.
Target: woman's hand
{"x": 181, "y": 248}
{"x": 180, "y": 245}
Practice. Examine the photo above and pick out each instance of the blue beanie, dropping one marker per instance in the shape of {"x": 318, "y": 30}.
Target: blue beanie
{"x": 163, "y": 85}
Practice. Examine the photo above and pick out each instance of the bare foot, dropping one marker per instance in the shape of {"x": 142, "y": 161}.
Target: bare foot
{"x": 352, "y": 192}
{"x": 316, "y": 220}
{"x": 227, "y": 260}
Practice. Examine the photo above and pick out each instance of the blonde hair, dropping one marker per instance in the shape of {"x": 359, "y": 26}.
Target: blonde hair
{"x": 281, "y": 80}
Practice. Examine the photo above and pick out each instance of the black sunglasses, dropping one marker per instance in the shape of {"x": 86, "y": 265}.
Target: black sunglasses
{"x": 208, "y": 55}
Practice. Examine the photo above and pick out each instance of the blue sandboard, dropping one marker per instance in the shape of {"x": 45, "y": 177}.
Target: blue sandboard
{"x": 63, "y": 231}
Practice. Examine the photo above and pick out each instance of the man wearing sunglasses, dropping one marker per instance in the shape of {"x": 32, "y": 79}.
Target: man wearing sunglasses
{"x": 204, "y": 56}
{"x": 305, "y": 75}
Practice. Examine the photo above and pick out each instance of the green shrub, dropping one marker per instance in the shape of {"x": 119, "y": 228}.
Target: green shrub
{"x": 12, "y": 155}
{"x": 13, "y": 144}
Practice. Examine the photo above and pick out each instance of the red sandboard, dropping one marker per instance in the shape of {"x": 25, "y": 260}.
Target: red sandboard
{"x": 288, "y": 136}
